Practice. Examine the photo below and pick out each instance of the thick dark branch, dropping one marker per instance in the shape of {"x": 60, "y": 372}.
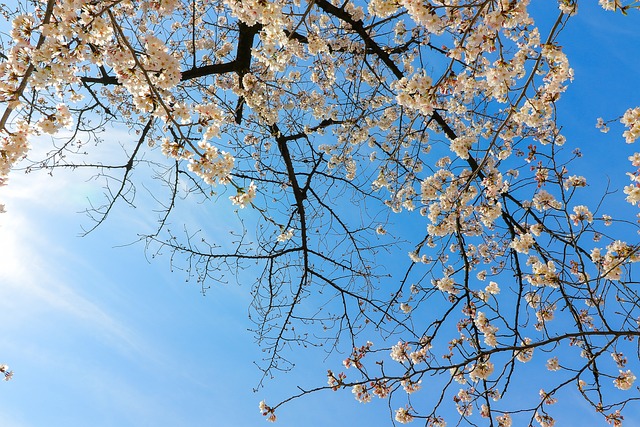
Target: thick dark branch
{"x": 193, "y": 73}
{"x": 243, "y": 58}
{"x": 286, "y": 157}
{"x": 323, "y": 124}
{"x": 239, "y": 65}
{"x": 245, "y": 43}
{"x": 207, "y": 70}
{"x": 358, "y": 27}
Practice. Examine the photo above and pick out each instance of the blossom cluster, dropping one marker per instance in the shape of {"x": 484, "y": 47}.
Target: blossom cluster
{"x": 8, "y": 374}
{"x": 267, "y": 411}
{"x": 244, "y": 198}
{"x": 625, "y": 380}
{"x": 52, "y": 53}
{"x": 631, "y": 119}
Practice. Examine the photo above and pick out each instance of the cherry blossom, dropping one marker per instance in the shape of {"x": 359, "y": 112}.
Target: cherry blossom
{"x": 343, "y": 132}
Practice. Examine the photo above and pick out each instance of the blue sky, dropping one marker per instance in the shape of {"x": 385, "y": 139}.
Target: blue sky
{"x": 97, "y": 335}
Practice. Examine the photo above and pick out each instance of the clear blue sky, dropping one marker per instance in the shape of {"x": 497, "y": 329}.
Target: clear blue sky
{"x": 99, "y": 336}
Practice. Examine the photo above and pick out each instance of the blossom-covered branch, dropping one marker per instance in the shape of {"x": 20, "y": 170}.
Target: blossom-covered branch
{"x": 403, "y": 185}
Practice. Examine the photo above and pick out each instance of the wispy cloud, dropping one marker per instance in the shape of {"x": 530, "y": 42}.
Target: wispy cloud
{"x": 32, "y": 276}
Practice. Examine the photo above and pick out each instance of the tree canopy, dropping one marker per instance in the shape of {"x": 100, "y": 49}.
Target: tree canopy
{"x": 403, "y": 184}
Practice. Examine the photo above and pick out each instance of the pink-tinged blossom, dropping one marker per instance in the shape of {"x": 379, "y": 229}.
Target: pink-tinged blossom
{"x": 267, "y": 411}
{"x": 581, "y": 213}
{"x": 285, "y": 236}
{"x": 544, "y": 420}
{"x": 504, "y": 420}
{"x": 446, "y": 284}
{"x": 547, "y": 398}
{"x": 381, "y": 389}
{"x": 609, "y": 4}
{"x": 631, "y": 119}
{"x": 213, "y": 166}
{"x": 411, "y": 386}
{"x": 492, "y": 288}
{"x": 481, "y": 370}
{"x": 523, "y": 243}
{"x": 8, "y": 374}
{"x": 525, "y": 354}
{"x": 400, "y": 352}
{"x": 403, "y": 416}
{"x": 415, "y": 92}
{"x": 625, "y": 380}
{"x": 244, "y": 198}
{"x": 361, "y": 393}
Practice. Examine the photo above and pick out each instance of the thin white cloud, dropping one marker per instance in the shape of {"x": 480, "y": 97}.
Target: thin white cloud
{"x": 75, "y": 319}
{"x": 38, "y": 272}
{"x": 28, "y": 276}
